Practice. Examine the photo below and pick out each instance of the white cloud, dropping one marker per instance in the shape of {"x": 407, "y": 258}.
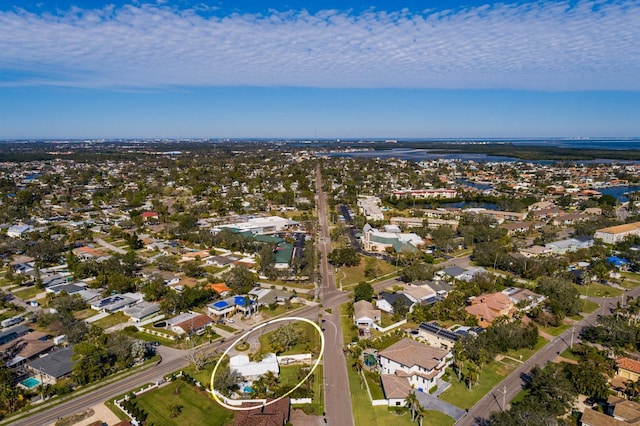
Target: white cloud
{"x": 548, "y": 46}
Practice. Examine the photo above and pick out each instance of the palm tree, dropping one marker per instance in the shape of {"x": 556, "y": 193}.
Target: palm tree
{"x": 420, "y": 415}
{"x": 358, "y": 365}
{"x": 412, "y": 402}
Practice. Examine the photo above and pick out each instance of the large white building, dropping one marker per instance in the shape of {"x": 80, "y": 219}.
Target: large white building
{"x": 370, "y": 208}
{"x": 418, "y": 363}
{"x": 615, "y": 234}
{"x": 252, "y": 370}
{"x": 259, "y": 225}
{"x": 373, "y": 239}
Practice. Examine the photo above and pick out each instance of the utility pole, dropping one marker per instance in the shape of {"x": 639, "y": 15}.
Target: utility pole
{"x": 573, "y": 329}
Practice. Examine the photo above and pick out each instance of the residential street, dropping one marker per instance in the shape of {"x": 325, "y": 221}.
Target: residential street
{"x": 493, "y": 401}
{"x": 336, "y": 383}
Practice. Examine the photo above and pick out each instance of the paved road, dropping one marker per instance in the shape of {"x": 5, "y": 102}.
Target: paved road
{"x": 110, "y": 246}
{"x": 172, "y": 361}
{"x": 337, "y": 396}
{"x": 508, "y": 388}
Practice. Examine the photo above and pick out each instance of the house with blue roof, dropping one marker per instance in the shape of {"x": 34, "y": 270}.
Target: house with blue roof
{"x": 229, "y": 306}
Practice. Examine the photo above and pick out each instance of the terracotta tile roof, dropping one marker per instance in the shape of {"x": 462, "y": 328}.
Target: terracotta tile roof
{"x": 197, "y": 323}
{"x": 218, "y": 287}
{"x": 629, "y": 364}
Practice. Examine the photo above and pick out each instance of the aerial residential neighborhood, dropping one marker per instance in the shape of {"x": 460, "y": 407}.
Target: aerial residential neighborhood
{"x": 444, "y": 291}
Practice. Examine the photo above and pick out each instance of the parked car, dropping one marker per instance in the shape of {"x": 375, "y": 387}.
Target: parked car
{"x": 230, "y": 320}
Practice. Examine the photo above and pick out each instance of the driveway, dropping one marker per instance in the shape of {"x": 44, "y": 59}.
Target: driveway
{"x": 430, "y": 402}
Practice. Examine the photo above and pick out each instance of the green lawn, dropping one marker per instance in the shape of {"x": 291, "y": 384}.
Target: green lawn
{"x": 203, "y": 376}
{"x": 598, "y": 290}
{"x": 226, "y": 327}
{"x": 589, "y": 306}
{"x": 630, "y": 280}
{"x": 27, "y": 292}
{"x": 555, "y": 331}
{"x": 568, "y": 354}
{"x": 111, "y": 320}
{"x": 311, "y": 342}
{"x": 354, "y": 274}
{"x": 346, "y": 322}
{"x": 289, "y": 375}
{"x": 198, "y": 407}
{"x": 364, "y": 414}
{"x": 84, "y": 314}
{"x": 459, "y": 395}
{"x": 525, "y": 352}
{"x": 374, "y": 387}
{"x": 279, "y": 310}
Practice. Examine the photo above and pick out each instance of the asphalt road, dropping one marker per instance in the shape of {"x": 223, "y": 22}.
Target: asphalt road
{"x": 507, "y": 389}
{"x": 337, "y": 396}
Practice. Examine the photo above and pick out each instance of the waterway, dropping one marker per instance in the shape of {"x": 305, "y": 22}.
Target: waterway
{"x": 619, "y": 191}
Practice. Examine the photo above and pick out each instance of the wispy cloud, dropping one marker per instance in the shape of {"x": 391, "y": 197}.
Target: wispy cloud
{"x": 591, "y": 45}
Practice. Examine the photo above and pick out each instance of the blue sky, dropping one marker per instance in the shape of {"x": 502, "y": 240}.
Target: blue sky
{"x": 326, "y": 69}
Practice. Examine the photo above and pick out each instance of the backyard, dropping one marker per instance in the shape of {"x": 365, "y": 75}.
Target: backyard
{"x": 364, "y": 414}
{"x": 492, "y": 373}
{"x": 197, "y": 407}
{"x": 310, "y": 340}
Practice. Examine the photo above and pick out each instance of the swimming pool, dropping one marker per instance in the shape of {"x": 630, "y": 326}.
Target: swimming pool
{"x": 247, "y": 389}
{"x": 30, "y": 383}
{"x": 369, "y": 360}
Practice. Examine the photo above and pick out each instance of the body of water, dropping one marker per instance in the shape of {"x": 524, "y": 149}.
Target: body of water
{"x": 619, "y": 191}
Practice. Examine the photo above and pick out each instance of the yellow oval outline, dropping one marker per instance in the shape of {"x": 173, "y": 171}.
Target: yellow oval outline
{"x": 258, "y": 327}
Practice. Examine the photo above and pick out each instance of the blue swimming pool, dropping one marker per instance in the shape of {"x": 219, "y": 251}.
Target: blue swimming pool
{"x": 30, "y": 383}
{"x": 248, "y": 389}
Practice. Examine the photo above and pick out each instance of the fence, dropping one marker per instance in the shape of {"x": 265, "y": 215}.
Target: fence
{"x": 391, "y": 327}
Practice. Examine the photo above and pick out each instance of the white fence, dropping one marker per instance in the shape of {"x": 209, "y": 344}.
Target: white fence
{"x": 301, "y": 400}
{"x": 288, "y": 359}
{"x": 391, "y": 327}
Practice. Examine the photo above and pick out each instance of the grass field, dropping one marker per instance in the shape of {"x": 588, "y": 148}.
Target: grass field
{"x": 197, "y": 407}
{"x": 346, "y": 322}
{"x": 111, "y": 320}
{"x": 226, "y": 327}
{"x": 630, "y": 280}
{"x": 527, "y": 353}
{"x": 460, "y": 396}
{"x": 310, "y": 342}
{"x": 598, "y": 290}
{"x": 364, "y": 414}
{"x": 555, "y": 331}
{"x": 350, "y": 276}
{"x": 589, "y": 306}
{"x": 27, "y": 292}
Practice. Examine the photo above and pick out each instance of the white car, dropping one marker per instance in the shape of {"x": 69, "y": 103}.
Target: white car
{"x": 230, "y": 320}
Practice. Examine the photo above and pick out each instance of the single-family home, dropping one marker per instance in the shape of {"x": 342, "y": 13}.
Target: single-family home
{"x": 487, "y": 307}
{"x": 418, "y": 363}
{"x": 628, "y": 368}
{"x": 274, "y": 413}
{"x": 189, "y": 323}
{"x": 117, "y": 302}
{"x": 252, "y": 370}
{"x": 18, "y": 231}
{"x": 524, "y": 298}
{"x": 142, "y": 311}
{"x": 364, "y": 314}
{"x": 386, "y": 300}
{"x": 53, "y": 366}
{"x": 442, "y": 338}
